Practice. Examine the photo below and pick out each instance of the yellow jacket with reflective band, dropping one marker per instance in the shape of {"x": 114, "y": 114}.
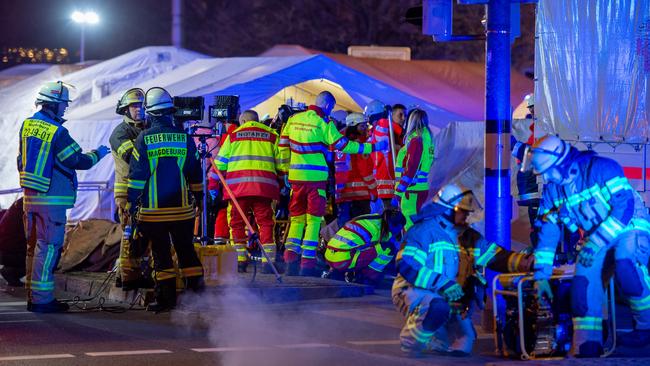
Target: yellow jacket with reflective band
{"x": 164, "y": 168}
{"x": 419, "y": 182}
{"x": 359, "y": 234}
{"x": 250, "y": 159}
{"x": 47, "y": 160}
{"x": 121, "y": 140}
{"x": 304, "y": 142}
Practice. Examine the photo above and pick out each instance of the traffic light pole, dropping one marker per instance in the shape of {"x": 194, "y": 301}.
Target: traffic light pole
{"x": 498, "y": 201}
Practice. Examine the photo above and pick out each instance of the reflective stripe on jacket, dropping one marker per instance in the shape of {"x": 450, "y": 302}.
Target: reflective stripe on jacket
{"x": 304, "y": 143}
{"x": 48, "y": 158}
{"x": 121, "y": 140}
{"x": 417, "y": 179}
{"x": 354, "y": 177}
{"x": 384, "y": 166}
{"x": 359, "y": 234}
{"x": 249, "y": 158}
{"x": 164, "y": 168}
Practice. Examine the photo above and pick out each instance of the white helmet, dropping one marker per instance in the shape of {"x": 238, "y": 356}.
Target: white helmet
{"x": 455, "y": 196}
{"x": 157, "y": 100}
{"x": 548, "y": 152}
{"x": 354, "y": 119}
{"x": 530, "y": 100}
{"x": 53, "y": 92}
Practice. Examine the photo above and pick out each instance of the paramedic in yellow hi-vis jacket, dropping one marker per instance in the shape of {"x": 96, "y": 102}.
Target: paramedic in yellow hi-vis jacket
{"x": 122, "y": 139}
{"x": 164, "y": 168}
{"x": 48, "y": 158}
{"x": 304, "y": 142}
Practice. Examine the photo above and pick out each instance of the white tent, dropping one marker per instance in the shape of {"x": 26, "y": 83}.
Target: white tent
{"x": 102, "y": 80}
{"x": 263, "y": 83}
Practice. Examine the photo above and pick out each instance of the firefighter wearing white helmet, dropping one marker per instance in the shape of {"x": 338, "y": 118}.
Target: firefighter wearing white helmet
{"x": 47, "y": 163}
{"x": 440, "y": 274}
{"x": 158, "y": 102}
{"x": 589, "y": 192}
{"x": 130, "y": 106}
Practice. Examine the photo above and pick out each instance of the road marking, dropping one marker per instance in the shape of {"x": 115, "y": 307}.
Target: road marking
{"x": 375, "y": 343}
{"x": 14, "y": 312}
{"x": 127, "y": 353}
{"x": 20, "y": 321}
{"x": 13, "y": 303}
{"x": 229, "y": 349}
{"x": 36, "y": 357}
{"x": 303, "y": 345}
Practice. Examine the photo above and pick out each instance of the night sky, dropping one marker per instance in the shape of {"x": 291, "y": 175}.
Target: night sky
{"x": 244, "y": 27}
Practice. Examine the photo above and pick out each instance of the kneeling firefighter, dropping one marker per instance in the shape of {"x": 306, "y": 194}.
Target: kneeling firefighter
{"x": 440, "y": 274}
{"x": 164, "y": 168}
{"x": 365, "y": 245}
{"x": 589, "y": 192}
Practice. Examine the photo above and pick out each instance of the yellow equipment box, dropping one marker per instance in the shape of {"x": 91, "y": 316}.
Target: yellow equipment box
{"x": 219, "y": 262}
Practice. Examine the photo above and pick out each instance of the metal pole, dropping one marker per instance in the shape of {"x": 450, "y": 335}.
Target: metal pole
{"x": 82, "y": 47}
{"x": 498, "y": 201}
{"x": 391, "y": 137}
{"x": 176, "y": 23}
{"x": 644, "y": 173}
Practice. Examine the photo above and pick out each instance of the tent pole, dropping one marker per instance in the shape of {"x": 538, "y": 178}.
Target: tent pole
{"x": 498, "y": 201}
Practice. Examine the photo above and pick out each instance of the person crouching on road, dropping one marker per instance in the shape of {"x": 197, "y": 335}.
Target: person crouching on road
{"x": 47, "y": 162}
{"x": 164, "y": 168}
{"x": 365, "y": 245}
{"x": 440, "y": 275}
{"x": 249, "y": 160}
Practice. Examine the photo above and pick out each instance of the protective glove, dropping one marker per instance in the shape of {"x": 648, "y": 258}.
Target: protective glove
{"x": 102, "y": 151}
{"x": 130, "y": 210}
{"x": 381, "y": 145}
{"x": 396, "y": 201}
{"x": 286, "y": 181}
{"x": 453, "y": 293}
{"x": 587, "y": 254}
{"x": 213, "y": 194}
{"x": 543, "y": 288}
{"x": 120, "y": 203}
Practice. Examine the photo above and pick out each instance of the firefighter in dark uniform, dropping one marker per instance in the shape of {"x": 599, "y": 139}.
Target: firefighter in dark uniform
{"x": 47, "y": 160}
{"x": 122, "y": 139}
{"x": 164, "y": 168}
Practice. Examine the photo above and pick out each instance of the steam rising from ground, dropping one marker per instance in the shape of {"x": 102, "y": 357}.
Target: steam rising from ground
{"x": 238, "y": 318}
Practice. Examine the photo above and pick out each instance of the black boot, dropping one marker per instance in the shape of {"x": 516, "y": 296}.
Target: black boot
{"x": 54, "y": 306}
{"x": 196, "y": 284}
{"x": 241, "y": 267}
{"x": 12, "y": 276}
{"x": 165, "y": 293}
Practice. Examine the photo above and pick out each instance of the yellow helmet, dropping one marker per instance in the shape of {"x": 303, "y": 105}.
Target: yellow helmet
{"x": 131, "y": 96}
{"x": 455, "y": 197}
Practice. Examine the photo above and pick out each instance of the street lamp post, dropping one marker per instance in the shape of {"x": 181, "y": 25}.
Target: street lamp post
{"x": 89, "y": 17}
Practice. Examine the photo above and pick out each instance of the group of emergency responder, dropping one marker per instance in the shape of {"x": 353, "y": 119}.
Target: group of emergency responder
{"x": 384, "y": 212}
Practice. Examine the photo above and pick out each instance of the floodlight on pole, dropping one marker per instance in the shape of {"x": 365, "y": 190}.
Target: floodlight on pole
{"x": 89, "y": 17}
